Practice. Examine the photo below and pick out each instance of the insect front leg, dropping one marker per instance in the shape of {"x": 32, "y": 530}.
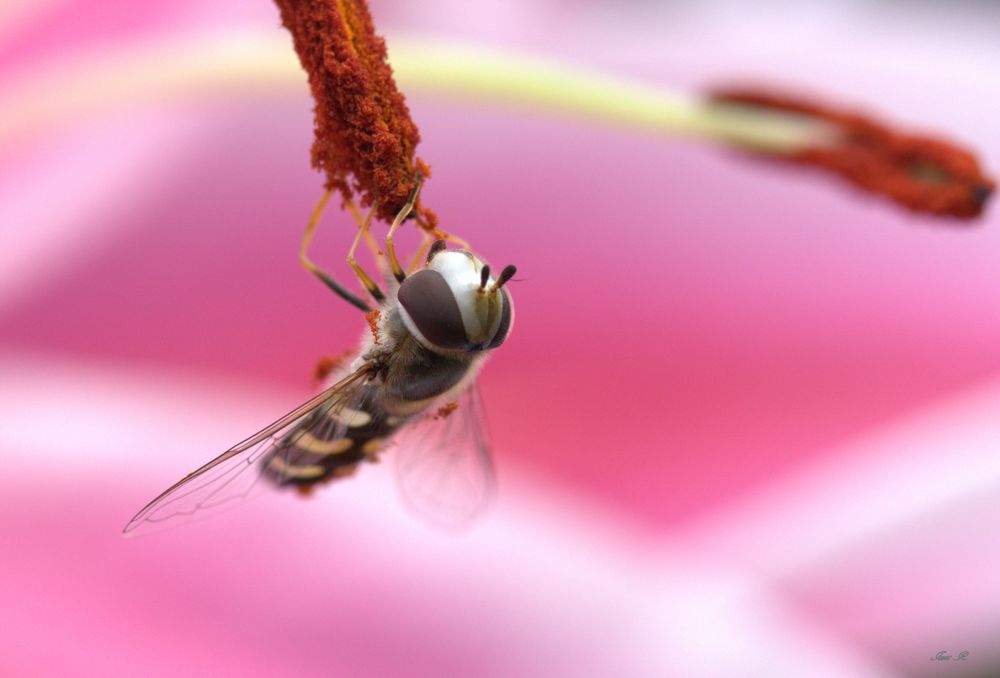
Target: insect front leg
{"x": 370, "y": 285}
{"x": 431, "y": 235}
{"x": 377, "y": 254}
{"x": 390, "y": 246}
{"x": 310, "y": 266}
{"x": 421, "y": 256}
{"x": 429, "y": 244}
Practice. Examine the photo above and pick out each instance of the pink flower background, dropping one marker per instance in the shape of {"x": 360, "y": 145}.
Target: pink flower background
{"x": 746, "y": 424}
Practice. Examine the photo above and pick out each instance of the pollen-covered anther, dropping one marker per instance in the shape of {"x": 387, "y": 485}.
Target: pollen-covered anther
{"x": 923, "y": 173}
{"x": 365, "y": 139}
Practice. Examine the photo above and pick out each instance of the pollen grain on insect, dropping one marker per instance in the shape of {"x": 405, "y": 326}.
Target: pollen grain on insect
{"x": 327, "y": 365}
{"x": 920, "y": 172}
{"x": 365, "y": 138}
{"x": 445, "y": 411}
{"x": 373, "y": 318}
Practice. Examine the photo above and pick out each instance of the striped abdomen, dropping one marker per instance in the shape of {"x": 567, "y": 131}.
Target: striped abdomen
{"x": 331, "y": 441}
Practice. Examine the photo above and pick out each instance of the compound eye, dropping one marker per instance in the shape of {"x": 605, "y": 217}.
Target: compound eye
{"x": 428, "y": 300}
{"x": 506, "y": 317}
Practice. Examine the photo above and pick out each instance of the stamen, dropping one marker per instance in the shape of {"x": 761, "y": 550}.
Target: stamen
{"x": 484, "y": 276}
{"x": 506, "y": 274}
{"x": 923, "y": 173}
{"x": 365, "y": 139}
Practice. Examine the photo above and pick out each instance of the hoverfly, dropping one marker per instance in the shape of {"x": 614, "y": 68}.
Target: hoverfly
{"x": 430, "y": 334}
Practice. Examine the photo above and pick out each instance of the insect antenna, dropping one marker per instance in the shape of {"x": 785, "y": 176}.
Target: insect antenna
{"x": 484, "y": 277}
{"x": 506, "y": 274}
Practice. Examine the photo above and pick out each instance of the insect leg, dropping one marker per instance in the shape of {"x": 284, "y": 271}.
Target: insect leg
{"x": 310, "y": 266}
{"x": 390, "y": 247}
{"x": 438, "y": 234}
{"x": 420, "y": 257}
{"x": 455, "y": 240}
{"x": 370, "y": 240}
{"x": 370, "y": 285}
{"x": 433, "y": 234}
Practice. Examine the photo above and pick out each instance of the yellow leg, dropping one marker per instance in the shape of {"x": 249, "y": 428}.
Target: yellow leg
{"x": 310, "y": 231}
{"x": 421, "y": 254}
{"x": 390, "y": 247}
{"x": 438, "y": 234}
{"x": 370, "y": 240}
{"x": 370, "y": 285}
{"x": 311, "y": 266}
{"x": 455, "y": 240}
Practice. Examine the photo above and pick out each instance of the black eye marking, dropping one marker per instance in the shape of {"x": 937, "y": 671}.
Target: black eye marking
{"x": 503, "y": 329}
{"x": 432, "y": 307}
{"x": 435, "y": 248}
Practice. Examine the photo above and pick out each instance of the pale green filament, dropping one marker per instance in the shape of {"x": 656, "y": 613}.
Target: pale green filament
{"x": 234, "y": 63}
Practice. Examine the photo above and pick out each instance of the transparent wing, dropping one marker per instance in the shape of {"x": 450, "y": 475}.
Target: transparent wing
{"x": 235, "y": 474}
{"x": 444, "y": 466}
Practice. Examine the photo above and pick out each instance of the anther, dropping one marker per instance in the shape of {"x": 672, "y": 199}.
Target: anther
{"x": 980, "y": 194}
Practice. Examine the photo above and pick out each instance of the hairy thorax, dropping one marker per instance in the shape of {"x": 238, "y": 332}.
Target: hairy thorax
{"x": 410, "y": 376}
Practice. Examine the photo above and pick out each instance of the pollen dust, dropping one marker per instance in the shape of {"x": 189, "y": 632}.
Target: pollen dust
{"x": 373, "y": 317}
{"x": 445, "y": 411}
{"x": 365, "y": 139}
{"x": 326, "y": 365}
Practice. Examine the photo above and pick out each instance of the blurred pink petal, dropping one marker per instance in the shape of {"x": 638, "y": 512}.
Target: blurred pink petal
{"x": 744, "y": 420}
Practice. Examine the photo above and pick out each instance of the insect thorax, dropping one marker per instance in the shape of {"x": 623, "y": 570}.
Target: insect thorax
{"x": 412, "y": 376}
